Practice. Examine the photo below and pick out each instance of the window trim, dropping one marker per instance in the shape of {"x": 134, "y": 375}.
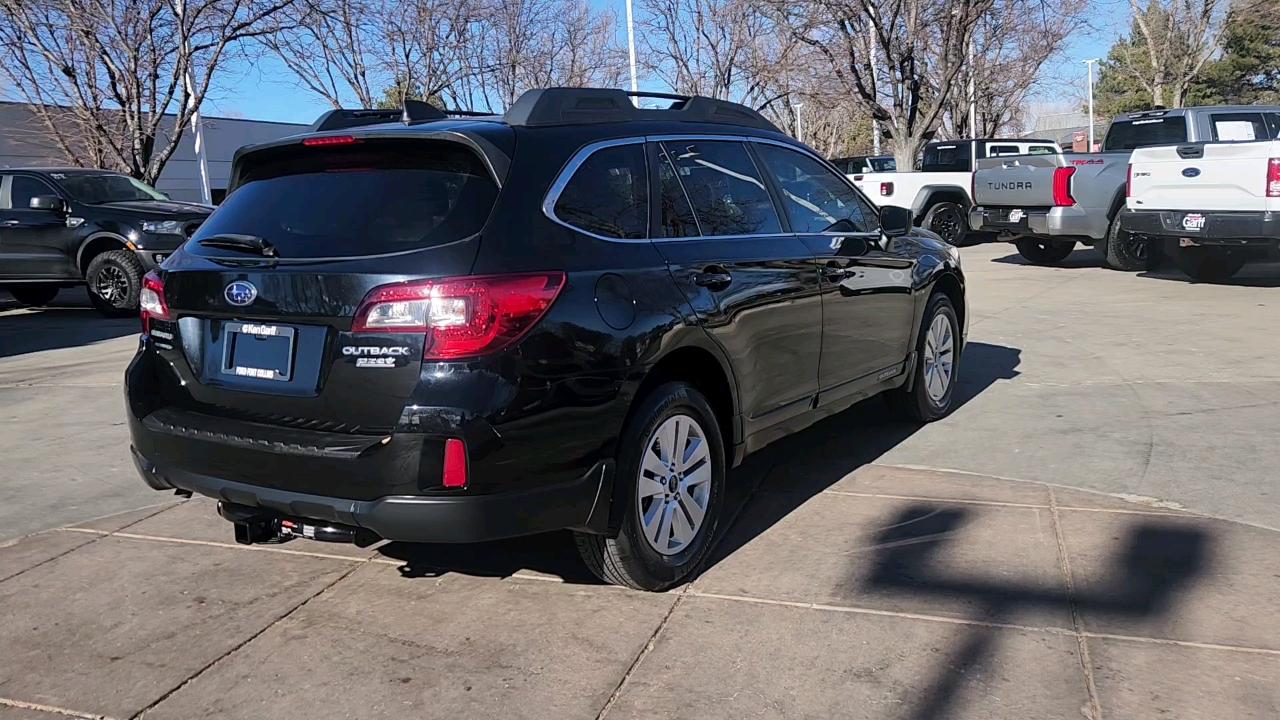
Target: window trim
{"x": 584, "y": 152}
{"x": 7, "y": 195}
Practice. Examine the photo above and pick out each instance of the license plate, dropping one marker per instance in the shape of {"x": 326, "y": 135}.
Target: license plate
{"x": 1193, "y": 221}
{"x": 257, "y": 350}
{"x": 1015, "y": 216}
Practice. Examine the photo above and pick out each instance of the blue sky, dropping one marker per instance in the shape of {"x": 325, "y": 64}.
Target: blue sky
{"x": 266, "y": 89}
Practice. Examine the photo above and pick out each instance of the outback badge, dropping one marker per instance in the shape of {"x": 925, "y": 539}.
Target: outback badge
{"x": 240, "y": 293}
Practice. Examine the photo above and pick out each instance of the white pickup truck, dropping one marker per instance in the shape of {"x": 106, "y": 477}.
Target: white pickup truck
{"x": 1215, "y": 205}
{"x": 940, "y": 192}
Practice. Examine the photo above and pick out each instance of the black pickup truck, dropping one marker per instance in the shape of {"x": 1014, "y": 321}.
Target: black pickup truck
{"x": 62, "y": 227}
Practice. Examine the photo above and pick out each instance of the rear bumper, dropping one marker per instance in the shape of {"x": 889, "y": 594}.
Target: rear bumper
{"x": 1220, "y": 228}
{"x": 581, "y": 504}
{"x": 1073, "y": 221}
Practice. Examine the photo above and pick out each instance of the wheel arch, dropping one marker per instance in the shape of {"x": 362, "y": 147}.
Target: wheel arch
{"x": 931, "y": 196}
{"x": 707, "y": 370}
{"x": 95, "y": 245}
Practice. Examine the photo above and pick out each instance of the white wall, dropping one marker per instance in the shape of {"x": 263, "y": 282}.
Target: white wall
{"x": 23, "y": 143}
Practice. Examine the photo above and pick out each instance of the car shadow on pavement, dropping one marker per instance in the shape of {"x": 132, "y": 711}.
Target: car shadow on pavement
{"x": 844, "y": 442}
{"x": 1152, "y": 562}
{"x": 68, "y": 322}
{"x": 1259, "y": 275}
{"x": 1082, "y": 257}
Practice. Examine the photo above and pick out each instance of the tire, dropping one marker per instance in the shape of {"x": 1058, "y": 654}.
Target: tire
{"x": 1123, "y": 251}
{"x": 924, "y": 402}
{"x": 1208, "y": 265}
{"x": 1044, "y": 252}
{"x": 114, "y": 282}
{"x": 632, "y": 559}
{"x": 33, "y": 295}
{"x": 948, "y": 221}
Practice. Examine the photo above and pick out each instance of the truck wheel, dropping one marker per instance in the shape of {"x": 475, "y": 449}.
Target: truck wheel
{"x": 948, "y": 221}
{"x": 938, "y": 361}
{"x": 1204, "y": 264}
{"x": 671, "y": 462}
{"x": 115, "y": 281}
{"x": 1044, "y": 252}
{"x": 1126, "y": 251}
{"x": 33, "y": 295}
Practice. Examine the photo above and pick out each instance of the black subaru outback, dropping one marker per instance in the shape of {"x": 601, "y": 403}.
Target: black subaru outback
{"x": 579, "y": 314}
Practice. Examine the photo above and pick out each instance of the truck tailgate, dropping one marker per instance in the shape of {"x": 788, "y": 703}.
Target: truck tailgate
{"x": 1227, "y": 176}
{"x": 1024, "y": 181}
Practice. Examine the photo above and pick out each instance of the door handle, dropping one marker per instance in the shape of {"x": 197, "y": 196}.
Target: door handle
{"x": 10, "y": 223}
{"x": 833, "y": 273}
{"x": 714, "y": 277}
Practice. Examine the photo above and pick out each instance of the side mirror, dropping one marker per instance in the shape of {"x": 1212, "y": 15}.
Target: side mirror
{"x": 52, "y": 203}
{"x": 895, "y": 221}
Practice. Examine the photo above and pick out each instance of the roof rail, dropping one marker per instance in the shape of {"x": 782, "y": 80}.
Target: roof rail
{"x": 574, "y": 106}
{"x": 414, "y": 112}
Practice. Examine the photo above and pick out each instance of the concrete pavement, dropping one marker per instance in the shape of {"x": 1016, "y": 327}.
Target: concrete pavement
{"x": 964, "y": 570}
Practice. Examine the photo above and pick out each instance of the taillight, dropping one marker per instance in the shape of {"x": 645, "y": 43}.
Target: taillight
{"x": 886, "y": 189}
{"x": 1062, "y": 186}
{"x": 330, "y": 140}
{"x": 151, "y": 304}
{"x": 455, "y": 463}
{"x": 1128, "y": 182}
{"x": 463, "y": 316}
{"x": 1273, "y": 177}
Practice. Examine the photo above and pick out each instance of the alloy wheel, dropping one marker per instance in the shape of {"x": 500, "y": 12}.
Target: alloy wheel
{"x": 939, "y": 358}
{"x": 674, "y": 487}
{"x": 111, "y": 285}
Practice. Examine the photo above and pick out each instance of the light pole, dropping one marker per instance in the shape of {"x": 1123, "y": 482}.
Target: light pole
{"x": 631, "y": 46}
{"x": 799, "y": 127}
{"x": 1089, "y": 64}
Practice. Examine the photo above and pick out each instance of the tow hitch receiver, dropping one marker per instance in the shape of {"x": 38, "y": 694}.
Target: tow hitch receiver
{"x": 256, "y": 526}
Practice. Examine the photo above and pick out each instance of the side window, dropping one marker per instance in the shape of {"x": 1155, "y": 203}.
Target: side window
{"x": 676, "y": 214}
{"x": 1228, "y": 127}
{"x": 721, "y": 182}
{"x": 813, "y": 197}
{"x": 1273, "y": 125}
{"x": 608, "y": 194}
{"x": 24, "y": 188}
{"x": 1002, "y": 150}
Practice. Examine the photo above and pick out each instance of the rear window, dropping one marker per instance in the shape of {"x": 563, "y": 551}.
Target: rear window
{"x": 946, "y": 157}
{"x": 1133, "y": 134}
{"x": 883, "y": 165}
{"x": 350, "y": 200}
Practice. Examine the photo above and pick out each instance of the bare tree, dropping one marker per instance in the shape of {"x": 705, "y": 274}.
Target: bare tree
{"x": 725, "y": 49}
{"x": 334, "y": 48}
{"x": 901, "y": 59}
{"x": 122, "y": 78}
{"x": 1177, "y": 38}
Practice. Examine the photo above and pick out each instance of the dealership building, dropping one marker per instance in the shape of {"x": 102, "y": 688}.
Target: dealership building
{"x": 25, "y": 143}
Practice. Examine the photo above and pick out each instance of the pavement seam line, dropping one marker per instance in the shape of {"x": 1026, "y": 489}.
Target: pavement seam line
{"x": 51, "y": 709}
{"x": 1082, "y": 642}
{"x": 234, "y": 649}
{"x": 161, "y": 509}
{"x": 996, "y": 503}
{"x": 644, "y": 653}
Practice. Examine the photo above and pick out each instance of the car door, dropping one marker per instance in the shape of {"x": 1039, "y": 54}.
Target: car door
{"x": 753, "y": 287}
{"x": 33, "y": 243}
{"x": 867, "y": 307}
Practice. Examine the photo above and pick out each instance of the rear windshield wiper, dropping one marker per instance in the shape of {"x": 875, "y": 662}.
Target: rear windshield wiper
{"x": 242, "y": 243}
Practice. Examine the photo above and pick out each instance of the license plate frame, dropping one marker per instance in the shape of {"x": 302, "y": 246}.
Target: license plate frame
{"x": 234, "y": 364}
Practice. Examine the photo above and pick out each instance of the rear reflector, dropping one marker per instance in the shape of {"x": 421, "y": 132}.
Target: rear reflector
{"x": 886, "y": 189}
{"x": 1273, "y": 177}
{"x": 330, "y": 140}
{"x": 151, "y": 304}
{"x": 1062, "y": 186}
{"x": 462, "y": 316}
{"x": 455, "y": 463}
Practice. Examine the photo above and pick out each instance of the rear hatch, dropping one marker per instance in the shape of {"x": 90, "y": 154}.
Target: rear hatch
{"x": 1222, "y": 177}
{"x": 264, "y": 295}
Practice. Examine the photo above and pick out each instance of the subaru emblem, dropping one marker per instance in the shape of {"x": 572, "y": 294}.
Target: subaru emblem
{"x": 240, "y": 293}
{"x": 1190, "y": 172}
